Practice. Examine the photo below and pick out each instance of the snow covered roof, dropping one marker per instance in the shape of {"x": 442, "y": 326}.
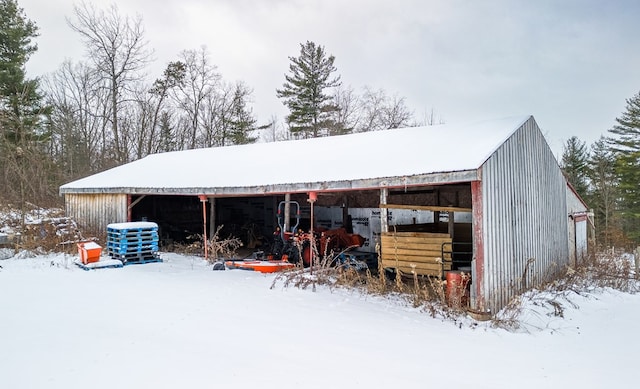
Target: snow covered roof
{"x": 399, "y": 157}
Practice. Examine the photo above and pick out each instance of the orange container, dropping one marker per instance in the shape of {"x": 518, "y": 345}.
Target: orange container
{"x": 89, "y": 252}
{"x": 458, "y": 288}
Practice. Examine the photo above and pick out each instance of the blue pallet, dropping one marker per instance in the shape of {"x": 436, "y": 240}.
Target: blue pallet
{"x": 132, "y": 229}
{"x": 132, "y": 226}
{"x": 118, "y": 233}
{"x": 148, "y": 251}
{"x": 143, "y": 261}
{"x": 136, "y": 242}
{"x": 132, "y": 242}
{"x": 133, "y": 238}
{"x": 126, "y": 246}
{"x": 97, "y": 265}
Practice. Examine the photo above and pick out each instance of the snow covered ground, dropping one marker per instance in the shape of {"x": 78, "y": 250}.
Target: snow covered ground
{"x": 178, "y": 324}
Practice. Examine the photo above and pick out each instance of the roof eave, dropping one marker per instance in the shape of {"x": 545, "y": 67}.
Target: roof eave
{"x": 326, "y": 186}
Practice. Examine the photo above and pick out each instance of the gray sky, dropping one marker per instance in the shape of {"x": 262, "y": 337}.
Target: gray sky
{"x": 569, "y": 63}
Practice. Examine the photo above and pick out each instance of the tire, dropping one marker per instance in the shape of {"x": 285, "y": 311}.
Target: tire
{"x": 219, "y": 266}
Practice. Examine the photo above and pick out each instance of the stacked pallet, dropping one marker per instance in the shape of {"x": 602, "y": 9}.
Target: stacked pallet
{"x": 134, "y": 242}
{"x": 422, "y": 253}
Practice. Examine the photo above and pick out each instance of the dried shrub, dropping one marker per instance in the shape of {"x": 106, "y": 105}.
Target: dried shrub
{"x": 217, "y": 247}
{"x": 41, "y": 230}
{"x": 604, "y": 270}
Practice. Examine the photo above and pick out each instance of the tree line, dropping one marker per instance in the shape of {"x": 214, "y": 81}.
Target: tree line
{"x": 104, "y": 110}
{"x": 606, "y": 174}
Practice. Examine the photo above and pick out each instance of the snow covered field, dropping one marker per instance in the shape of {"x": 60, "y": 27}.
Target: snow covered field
{"x": 178, "y": 324}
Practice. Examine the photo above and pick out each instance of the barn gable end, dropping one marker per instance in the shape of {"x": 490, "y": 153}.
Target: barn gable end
{"x": 524, "y": 217}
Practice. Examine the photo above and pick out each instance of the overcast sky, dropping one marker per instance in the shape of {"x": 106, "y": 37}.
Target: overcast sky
{"x": 570, "y": 64}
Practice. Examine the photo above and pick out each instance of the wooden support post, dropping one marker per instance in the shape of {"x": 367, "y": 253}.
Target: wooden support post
{"x": 451, "y": 224}
{"x": 287, "y": 212}
{"x": 212, "y": 217}
{"x": 477, "y": 271}
{"x": 384, "y": 212}
{"x": 205, "y": 241}
{"x": 129, "y": 206}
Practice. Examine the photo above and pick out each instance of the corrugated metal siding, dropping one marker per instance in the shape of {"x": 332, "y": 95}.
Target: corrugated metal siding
{"x": 94, "y": 211}
{"x": 524, "y": 218}
{"x": 581, "y": 241}
{"x": 577, "y": 239}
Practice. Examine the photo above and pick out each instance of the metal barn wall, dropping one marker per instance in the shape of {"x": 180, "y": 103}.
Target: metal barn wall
{"x": 581, "y": 240}
{"x": 577, "y": 227}
{"x": 524, "y": 217}
{"x": 94, "y": 211}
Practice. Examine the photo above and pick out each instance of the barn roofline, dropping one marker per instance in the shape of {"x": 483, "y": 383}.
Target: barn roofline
{"x": 327, "y": 186}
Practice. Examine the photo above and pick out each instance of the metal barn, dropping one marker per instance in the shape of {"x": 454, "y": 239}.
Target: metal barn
{"x": 492, "y": 192}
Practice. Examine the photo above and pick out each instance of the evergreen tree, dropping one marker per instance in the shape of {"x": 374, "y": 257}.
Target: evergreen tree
{"x": 574, "y": 164}
{"x": 242, "y": 122}
{"x": 625, "y": 142}
{"x": 603, "y": 191}
{"x": 305, "y": 92}
{"x": 24, "y": 167}
{"x": 21, "y": 102}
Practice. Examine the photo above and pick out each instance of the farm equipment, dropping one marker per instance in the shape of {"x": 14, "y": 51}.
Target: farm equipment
{"x": 295, "y": 245}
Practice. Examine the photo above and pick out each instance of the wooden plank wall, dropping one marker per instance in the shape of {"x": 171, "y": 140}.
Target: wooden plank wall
{"x": 422, "y": 251}
{"x": 93, "y": 212}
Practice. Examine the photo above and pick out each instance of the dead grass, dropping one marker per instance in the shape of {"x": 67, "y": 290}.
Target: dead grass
{"x": 425, "y": 293}
{"x": 604, "y": 270}
{"x": 601, "y": 271}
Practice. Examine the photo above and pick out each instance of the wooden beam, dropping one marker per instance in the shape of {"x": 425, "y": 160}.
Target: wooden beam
{"x": 139, "y": 199}
{"x": 433, "y": 208}
{"x": 384, "y": 213}
{"x": 212, "y": 217}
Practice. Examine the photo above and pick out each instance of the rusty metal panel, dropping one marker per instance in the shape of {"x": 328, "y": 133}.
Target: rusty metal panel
{"x": 524, "y": 219}
{"x": 93, "y": 212}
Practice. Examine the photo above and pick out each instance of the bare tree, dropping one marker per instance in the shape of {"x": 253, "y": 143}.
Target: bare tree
{"x": 347, "y": 116}
{"x": 116, "y": 45}
{"x": 77, "y": 120}
{"x": 379, "y": 112}
{"x": 396, "y": 114}
{"x": 429, "y": 119}
{"x": 200, "y": 81}
{"x": 275, "y": 131}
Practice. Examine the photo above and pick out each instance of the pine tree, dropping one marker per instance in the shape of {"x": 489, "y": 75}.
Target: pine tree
{"x": 574, "y": 164}
{"x": 625, "y": 142}
{"x": 20, "y": 98}
{"x": 23, "y": 132}
{"x": 305, "y": 92}
{"x": 602, "y": 197}
{"x": 242, "y": 122}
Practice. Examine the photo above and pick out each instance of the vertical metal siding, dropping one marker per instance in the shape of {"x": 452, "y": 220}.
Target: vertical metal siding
{"x": 577, "y": 236}
{"x": 525, "y": 218}
{"x": 581, "y": 241}
{"x": 94, "y": 211}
